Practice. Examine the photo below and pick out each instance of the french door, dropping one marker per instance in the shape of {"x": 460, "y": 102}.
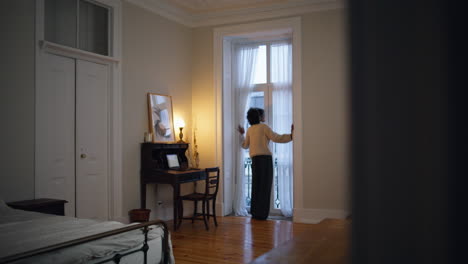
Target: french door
{"x": 91, "y": 149}
{"x": 55, "y": 131}
{"x": 262, "y": 97}
{"x": 72, "y": 135}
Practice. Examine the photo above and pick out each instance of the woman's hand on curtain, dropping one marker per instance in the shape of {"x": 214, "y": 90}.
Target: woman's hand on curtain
{"x": 292, "y": 130}
{"x": 241, "y": 130}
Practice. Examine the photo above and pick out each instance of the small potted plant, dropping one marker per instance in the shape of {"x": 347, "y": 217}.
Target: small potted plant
{"x": 139, "y": 215}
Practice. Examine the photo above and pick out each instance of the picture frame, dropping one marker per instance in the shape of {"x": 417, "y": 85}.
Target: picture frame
{"x": 160, "y": 115}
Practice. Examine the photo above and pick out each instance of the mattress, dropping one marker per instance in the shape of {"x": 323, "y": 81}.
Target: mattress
{"x": 22, "y": 231}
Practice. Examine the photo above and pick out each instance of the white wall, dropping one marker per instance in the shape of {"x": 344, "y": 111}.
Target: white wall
{"x": 156, "y": 58}
{"x": 325, "y": 111}
{"x": 17, "y": 100}
{"x": 203, "y": 100}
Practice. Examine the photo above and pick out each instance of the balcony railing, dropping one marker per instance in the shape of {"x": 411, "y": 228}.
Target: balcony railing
{"x": 248, "y": 183}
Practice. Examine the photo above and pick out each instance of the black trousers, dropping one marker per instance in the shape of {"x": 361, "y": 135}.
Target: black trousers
{"x": 262, "y": 179}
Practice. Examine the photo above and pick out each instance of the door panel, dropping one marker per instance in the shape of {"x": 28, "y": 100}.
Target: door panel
{"x": 92, "y": 188}
{"x": 55, "y": 131}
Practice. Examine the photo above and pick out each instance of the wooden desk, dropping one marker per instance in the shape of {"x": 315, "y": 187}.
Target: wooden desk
{"x": 174, "y": 178}
{"x": 154, "y": 169}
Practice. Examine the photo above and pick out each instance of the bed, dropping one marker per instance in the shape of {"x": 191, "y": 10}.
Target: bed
{"x": 31, "y": 237}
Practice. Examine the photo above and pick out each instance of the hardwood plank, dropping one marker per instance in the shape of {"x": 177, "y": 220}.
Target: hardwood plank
{"x": 242, "y": 240}
{"x": 327, "y": 244}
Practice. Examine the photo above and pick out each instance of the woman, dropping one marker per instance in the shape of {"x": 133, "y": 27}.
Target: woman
{"x": 257, "y": 139}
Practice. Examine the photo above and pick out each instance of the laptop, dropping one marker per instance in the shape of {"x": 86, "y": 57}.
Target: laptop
{"x": 173, "y": 163}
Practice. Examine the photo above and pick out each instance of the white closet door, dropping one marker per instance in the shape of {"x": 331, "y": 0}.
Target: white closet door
{"x": 92, "y": 88}
{"x": 55, "y": 131}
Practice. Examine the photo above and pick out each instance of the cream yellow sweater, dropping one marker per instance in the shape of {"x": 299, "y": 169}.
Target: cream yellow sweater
{"x": 258, "y": 137}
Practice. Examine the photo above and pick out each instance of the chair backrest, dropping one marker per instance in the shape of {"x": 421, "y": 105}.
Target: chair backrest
{"x": 212, "y": 181}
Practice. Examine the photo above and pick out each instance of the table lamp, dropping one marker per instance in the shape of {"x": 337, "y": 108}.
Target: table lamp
{"x": 180, "y": 124}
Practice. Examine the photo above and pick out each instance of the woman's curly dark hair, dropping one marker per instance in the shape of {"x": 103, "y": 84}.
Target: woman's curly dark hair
{"x": 254, "y": 115}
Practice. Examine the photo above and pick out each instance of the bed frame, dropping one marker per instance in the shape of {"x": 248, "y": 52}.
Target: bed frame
{"x": 165, "y": 255}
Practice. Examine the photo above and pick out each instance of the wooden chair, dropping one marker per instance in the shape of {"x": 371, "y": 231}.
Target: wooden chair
{"x": 211, "y": 190}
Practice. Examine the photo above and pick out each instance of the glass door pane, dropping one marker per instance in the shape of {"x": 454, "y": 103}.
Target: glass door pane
{"x": 257, "y": 99}
{"x": 60, "y": 22}
{"x": 94, "y": 28}
{"x": 260, "y": 68}
{"x": 280, "y": 61}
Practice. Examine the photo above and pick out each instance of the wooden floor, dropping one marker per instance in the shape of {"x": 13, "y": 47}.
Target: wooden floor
{"x": 243, "y": 240}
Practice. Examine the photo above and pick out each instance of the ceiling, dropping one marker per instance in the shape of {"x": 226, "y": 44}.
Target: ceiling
{"x": 196, "y": 13}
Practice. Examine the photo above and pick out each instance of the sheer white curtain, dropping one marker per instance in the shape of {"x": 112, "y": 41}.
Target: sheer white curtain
{"x": 243, "y": 75}
{"x": 281, "y": 78}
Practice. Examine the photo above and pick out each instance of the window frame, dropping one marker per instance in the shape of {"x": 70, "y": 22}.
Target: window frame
{"x": 108, "y": 6}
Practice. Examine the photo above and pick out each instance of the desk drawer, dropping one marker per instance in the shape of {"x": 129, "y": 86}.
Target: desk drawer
{"x": 190, "y": 177}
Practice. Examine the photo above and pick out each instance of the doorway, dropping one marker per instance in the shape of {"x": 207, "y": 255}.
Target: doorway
{"x": 72, "y": 135}
{"x": 227, "y": 136}
{"x": 78, "y": 50}
{"x": 272, "y": 91}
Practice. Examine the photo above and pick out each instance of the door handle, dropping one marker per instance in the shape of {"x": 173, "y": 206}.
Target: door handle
{"x": 83, "y": 156}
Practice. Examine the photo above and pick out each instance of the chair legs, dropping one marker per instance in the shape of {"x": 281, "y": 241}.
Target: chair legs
{"x": 180, "y": 213}
{"x": 208, "y": 210}
{"x": 195, "y": 204}
{"x": 204, "y": 214}
{"x": 214, "y": 212}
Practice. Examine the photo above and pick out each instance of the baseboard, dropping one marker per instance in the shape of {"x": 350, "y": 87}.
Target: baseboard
{"x": 300, "y": 215}
{"x": 315, "y": 216}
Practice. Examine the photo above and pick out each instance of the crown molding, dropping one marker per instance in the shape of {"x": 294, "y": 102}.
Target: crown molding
{"x": 236, "y": 16}
{"x": 170, "y": 12}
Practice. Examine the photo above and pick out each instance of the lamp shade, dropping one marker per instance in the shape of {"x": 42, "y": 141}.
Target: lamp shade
{"x": 179, "y": 122}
